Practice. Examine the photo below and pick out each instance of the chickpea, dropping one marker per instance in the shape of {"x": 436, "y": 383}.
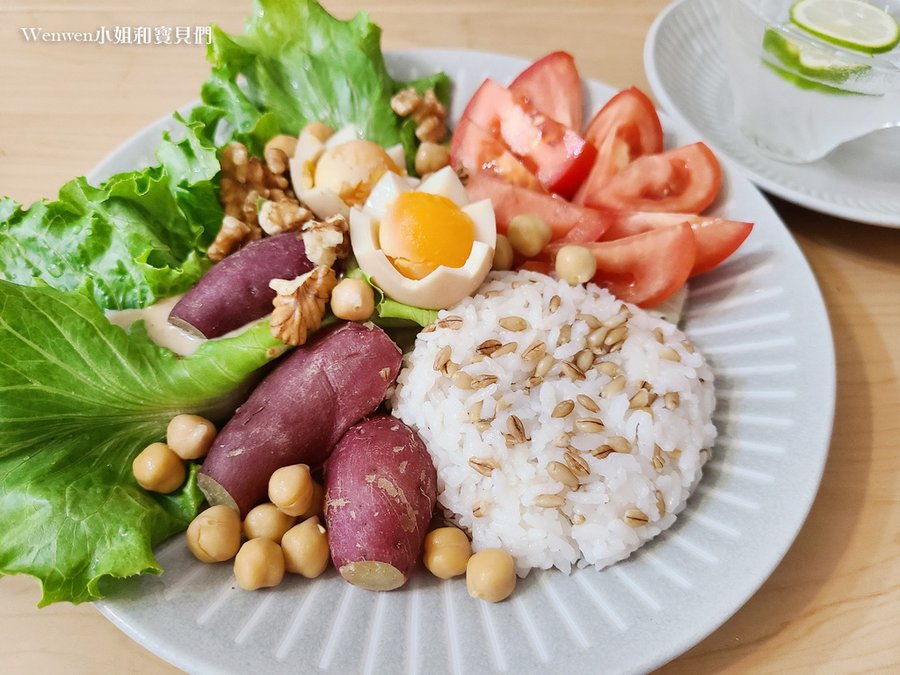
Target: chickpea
{"x": 431, "y": 157}
{"x": 287, "y": 144}
{"x": 352, "y": 300}
{"x": 447, "y": 551}
{"x": 190, "y": 436}
{"x": 316, "y": 504}
{"x": 491, "y": 575}
{"x": 158, "y": 469}
{"x": 528, "y": 234}
{"x": 259, "y": 564}
{"x": 575, "y": 264}
{"x": 305, "y": 548}
{"x": 267, "y": 522}
{"x": 503, "y": 254}
{"x": 215, "y": 535}
{"x": 318, "y": 130}
{"x": 291, "y": 489}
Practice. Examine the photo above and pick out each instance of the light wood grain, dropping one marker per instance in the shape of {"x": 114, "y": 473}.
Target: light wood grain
{"x": 832, "y": 605}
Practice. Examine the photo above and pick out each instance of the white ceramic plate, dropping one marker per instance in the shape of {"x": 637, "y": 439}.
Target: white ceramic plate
{"x": 760, "y": 320}
{"x": 682, "y": 56}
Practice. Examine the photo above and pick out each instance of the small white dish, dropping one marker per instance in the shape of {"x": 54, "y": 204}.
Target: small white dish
{"x": 760, "y": 320}
{"x": 682, "y": 56}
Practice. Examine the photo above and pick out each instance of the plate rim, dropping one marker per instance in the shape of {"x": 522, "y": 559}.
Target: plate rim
{"x": 661, "y": 92}
{"x": 178, "y": 658}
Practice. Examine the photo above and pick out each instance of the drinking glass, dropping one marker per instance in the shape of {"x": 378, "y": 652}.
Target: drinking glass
{"x": 798, "y": 97}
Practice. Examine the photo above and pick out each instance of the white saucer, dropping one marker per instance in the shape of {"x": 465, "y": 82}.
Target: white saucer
{"x": 859, "y": 181}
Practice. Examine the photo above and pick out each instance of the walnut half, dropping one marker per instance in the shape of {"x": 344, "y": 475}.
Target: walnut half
{"x": 300, "y": 304}
{"x": 426, "y": 110}
{"x": 326, "y": 240}
{"x": 285, "y": 215}
{"x": 233, "y": 234}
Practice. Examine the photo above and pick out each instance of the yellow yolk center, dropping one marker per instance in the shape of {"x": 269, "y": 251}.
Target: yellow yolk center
{"x": 421, "y": 231}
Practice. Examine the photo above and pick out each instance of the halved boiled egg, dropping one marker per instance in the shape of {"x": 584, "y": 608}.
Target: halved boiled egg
{"x": 428, "y": 246}
{"x": 331, "y": 174}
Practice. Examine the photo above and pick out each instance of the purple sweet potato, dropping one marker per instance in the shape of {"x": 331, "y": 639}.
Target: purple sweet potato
{"x": 299, "y": 412}
{"x": 236, "y": 290}
{"x": 380, "y": 489}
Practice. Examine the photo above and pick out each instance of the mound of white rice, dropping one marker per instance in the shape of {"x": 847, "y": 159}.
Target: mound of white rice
{"x": 575, "y": 452}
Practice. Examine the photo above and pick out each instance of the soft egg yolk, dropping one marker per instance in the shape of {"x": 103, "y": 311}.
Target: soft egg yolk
{"x": 422, "y": 231}
{"x": 352, "y": 168}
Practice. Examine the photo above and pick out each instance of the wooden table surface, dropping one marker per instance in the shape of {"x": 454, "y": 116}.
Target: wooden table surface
{"x": 834, "y": 602}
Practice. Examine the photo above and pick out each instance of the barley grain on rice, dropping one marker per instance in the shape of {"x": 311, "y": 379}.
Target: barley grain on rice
{"x": 562, "y": 473}
{"x": 660, "y": 503}
{"x": 613, "y": 387}
{"x": 508, "y": 348}
{"x": 516, "y": 429}
{"x": 608, "y": 368}
{"x": 640, "y": 399}
{"x": 488, "y": 347}
{"x": 483, "y": 381}
{"x": 587, "y": 403}
{"x": 535, "y": 351}
{"x": 584, "y": 360}
{"x": 576, "y": 463}
{"x": 669, "y": 354}
{"x": 441, "y": 358}
{"x": 615, "y": 335}
{"x": 591, "y": 320}
{"x": 596, "y": 337}
{"x": 544, "y": 366}
{"x": 563, "y": 408}
{"x": 636, "y": 518}
{"x": 619, "y": 443}
{"x": 461, "y": 379}
{"x": 548, "y": 501}
{"x": 573, "y": 371}
{"x": 482, "y": 465}
{"x": 513, "y": 323}
{"x": 589, "y": 425}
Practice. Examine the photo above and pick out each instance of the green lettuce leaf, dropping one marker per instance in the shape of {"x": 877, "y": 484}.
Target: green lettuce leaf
{"x": 80, "y": 398}
{"x": 296, "y": 63}
{"x": 137, "y": 237}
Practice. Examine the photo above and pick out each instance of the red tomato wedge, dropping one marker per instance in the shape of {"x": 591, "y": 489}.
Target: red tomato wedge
{"x": 686, "y": 180}
{"x": 626, "y": 128}
{"x": 647, "y": 268}
{"x": 512, "y": 200}
{"x": 475, "y": 151}
{"x": 553, "y": 86}
{"x": 717, "y": 238}
{"x": 630, "y": 110}
{"x": 559, "y": 157}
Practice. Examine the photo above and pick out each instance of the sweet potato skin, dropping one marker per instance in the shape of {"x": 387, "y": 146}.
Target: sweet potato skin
{"x": 380, "y": 490}
{"x": 236, "y": 290}
{"x": 299, "y": 411}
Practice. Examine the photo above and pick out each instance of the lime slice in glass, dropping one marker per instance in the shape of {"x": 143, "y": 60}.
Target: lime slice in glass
{"x": 808, "y": 61}
{"x": 853, "y": 24}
